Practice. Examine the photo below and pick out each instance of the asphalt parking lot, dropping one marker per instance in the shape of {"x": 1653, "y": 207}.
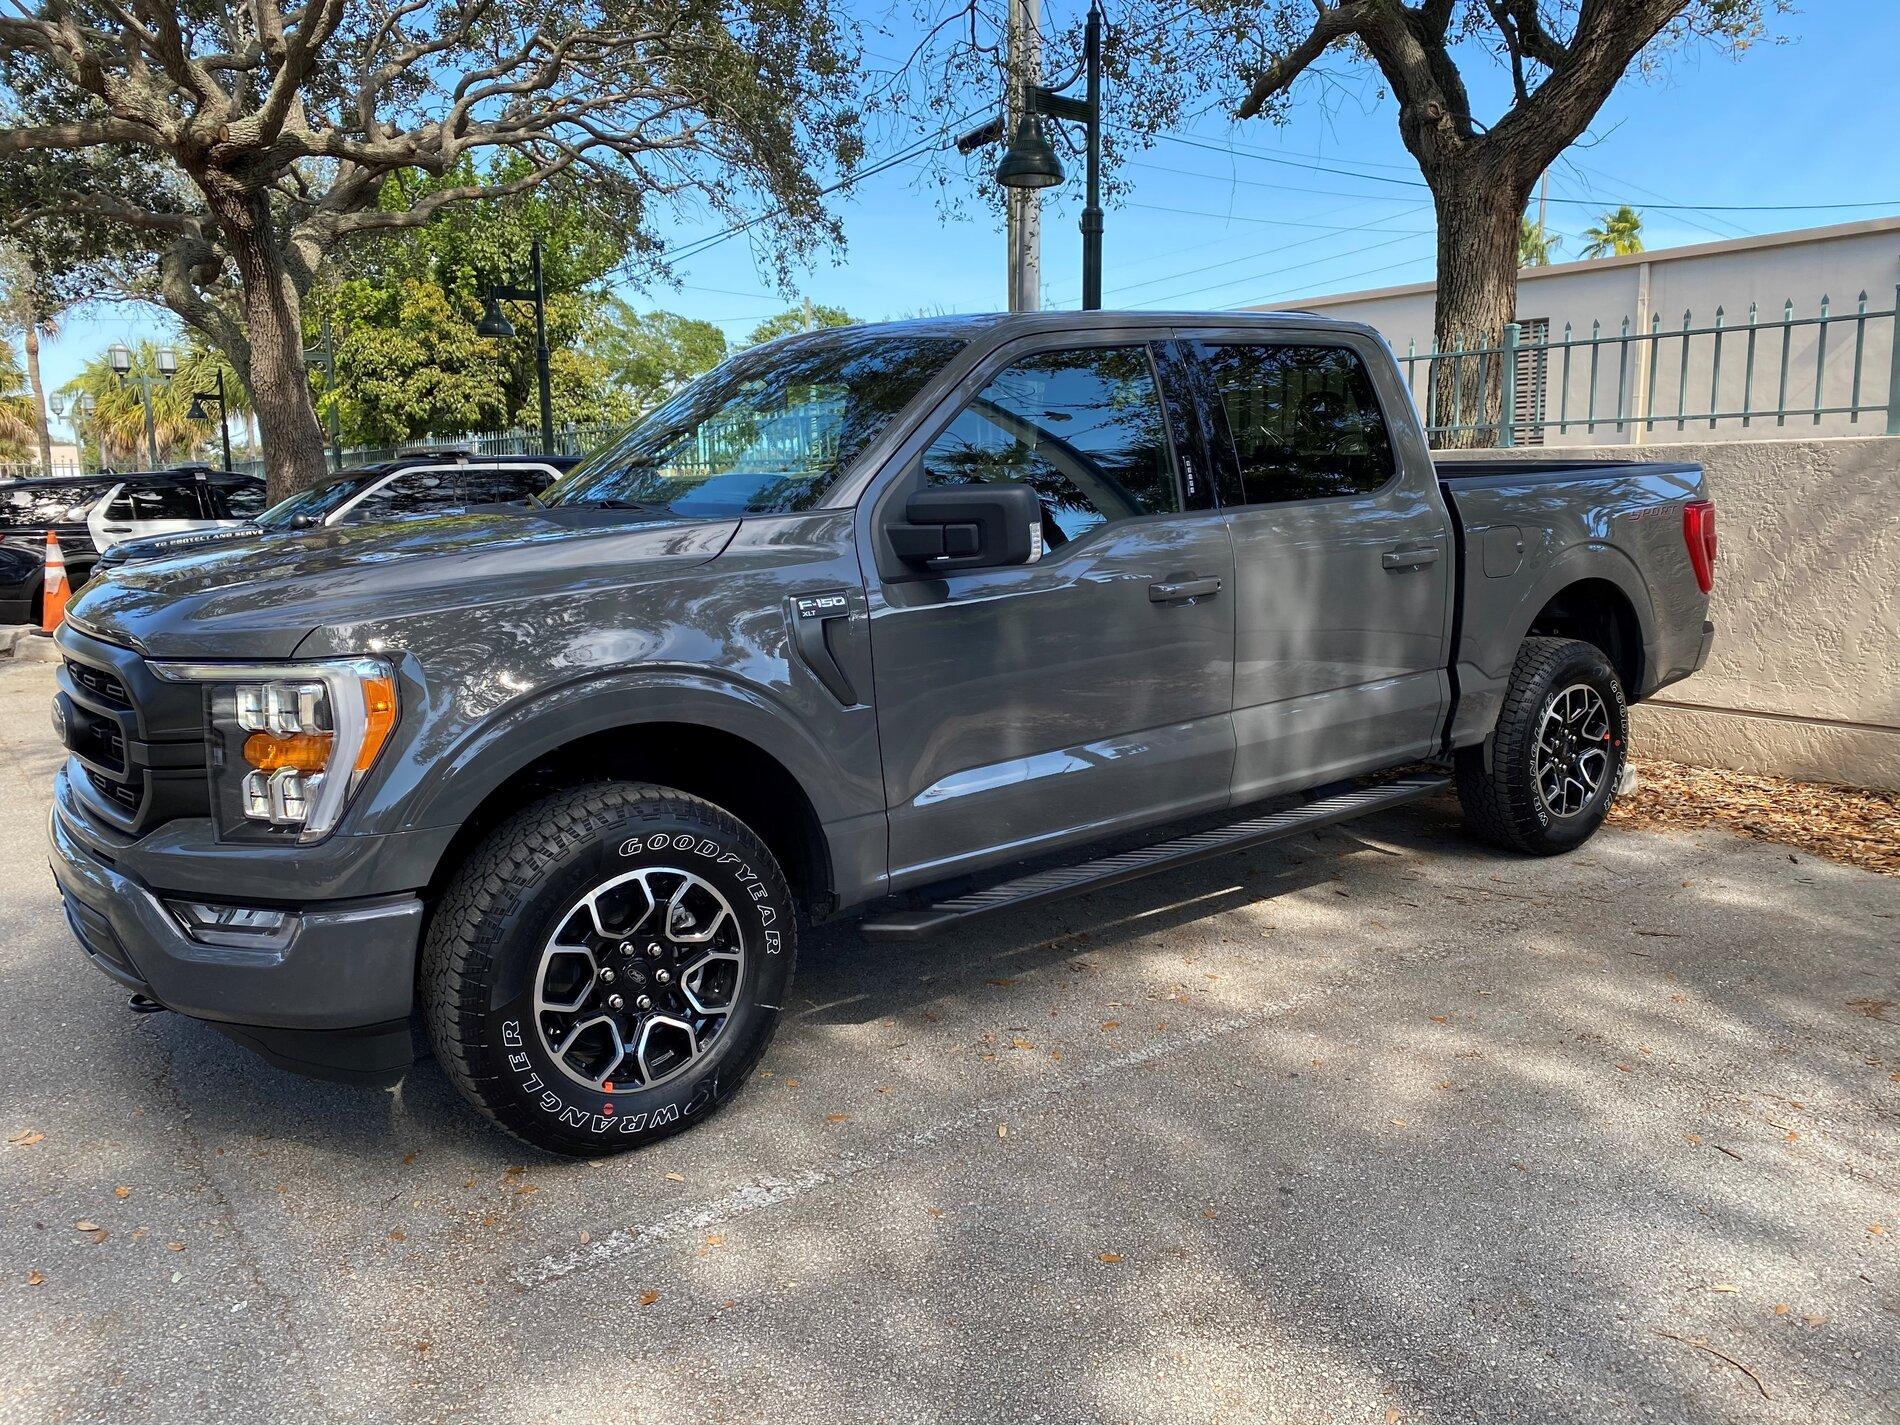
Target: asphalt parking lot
{"x": 1373, "y": 1126}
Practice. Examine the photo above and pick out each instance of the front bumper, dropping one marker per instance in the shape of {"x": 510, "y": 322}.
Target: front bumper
{"x": 334, "y": 999}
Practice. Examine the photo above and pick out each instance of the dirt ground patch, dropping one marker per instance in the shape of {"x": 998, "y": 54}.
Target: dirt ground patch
{"x": 1846, "y": 824}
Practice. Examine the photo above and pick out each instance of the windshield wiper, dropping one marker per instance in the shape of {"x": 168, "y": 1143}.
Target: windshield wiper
{"x": 619, "y": 505}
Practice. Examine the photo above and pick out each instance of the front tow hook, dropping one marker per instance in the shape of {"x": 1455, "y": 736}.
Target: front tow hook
{"x": 144, "y": 1004}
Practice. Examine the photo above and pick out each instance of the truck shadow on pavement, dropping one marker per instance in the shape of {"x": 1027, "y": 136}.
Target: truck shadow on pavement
{"x": 1366, "y": 1123}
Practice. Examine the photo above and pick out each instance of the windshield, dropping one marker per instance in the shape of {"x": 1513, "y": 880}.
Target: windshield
{"x": 319, "y": 501}
{"x": 765, "y": 433}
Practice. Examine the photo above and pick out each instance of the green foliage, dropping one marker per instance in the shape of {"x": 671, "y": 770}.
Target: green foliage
{"x": 16, "y": 407}
{"x": 409, "y": 363}
{"x": 1617, "y": 235}
{"x": 1535, "y": 244}
{"x": 810, "y": 317}
{"x": 652, "y": 356}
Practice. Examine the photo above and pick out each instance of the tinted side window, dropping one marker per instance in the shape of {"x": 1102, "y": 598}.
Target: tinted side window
{"x": 170, "y": 500}
{"x": 1304, "y": 421}
{"x": 29, "y": 505}
{"x": 241, "y": 498}
{"x": 412, "y": 493}
{"x": 503, "y": 484}
{"x": 1084, "y": 428}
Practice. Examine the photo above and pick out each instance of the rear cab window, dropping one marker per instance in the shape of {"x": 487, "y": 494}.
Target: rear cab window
{"x": 1301, "y": 420}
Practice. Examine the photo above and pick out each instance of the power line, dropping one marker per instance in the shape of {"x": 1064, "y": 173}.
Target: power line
{"x": 1348, "y": 277}
{"x": 1268, "y": 252}
{"x": 1411, "y": 183}
{"x": 1280, "y": 271}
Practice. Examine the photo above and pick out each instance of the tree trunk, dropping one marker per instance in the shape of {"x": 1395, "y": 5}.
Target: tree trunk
{"x": 1478, "y": 223}
{"x": 273, "y": 313}
{"x": 38, "y": 388}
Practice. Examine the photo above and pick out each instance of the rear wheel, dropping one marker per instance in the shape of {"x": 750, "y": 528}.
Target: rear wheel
{"x": 1543, "y": 781}
{"x": 606, "y": 968}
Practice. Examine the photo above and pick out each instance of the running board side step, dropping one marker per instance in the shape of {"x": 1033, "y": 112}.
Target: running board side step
{"x": 1064, "y": 881}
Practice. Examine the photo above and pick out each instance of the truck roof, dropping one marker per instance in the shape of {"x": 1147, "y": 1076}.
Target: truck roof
{"x": 1001, "y": 324}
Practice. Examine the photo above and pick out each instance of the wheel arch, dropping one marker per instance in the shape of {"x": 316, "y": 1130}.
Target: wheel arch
{"x": 1595, "y": 593}
{"x": 728, "y": 746}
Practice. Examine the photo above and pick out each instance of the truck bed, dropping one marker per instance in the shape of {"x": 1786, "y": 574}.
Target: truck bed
{"x": 1527, "y": 528}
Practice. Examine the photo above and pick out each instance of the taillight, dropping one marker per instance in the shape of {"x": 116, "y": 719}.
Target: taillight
{"x": 1698, "y": 532}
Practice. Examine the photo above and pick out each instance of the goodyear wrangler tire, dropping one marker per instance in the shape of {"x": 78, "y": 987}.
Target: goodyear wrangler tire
{"x": 607, "y": 967}
{"x": 1544, "y": 780}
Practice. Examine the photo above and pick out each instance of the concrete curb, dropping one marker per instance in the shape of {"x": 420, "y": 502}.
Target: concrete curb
{"x": 24, "y": 643}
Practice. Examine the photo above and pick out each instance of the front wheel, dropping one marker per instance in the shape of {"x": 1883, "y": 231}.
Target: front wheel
{"x": 607, "y": 967}
{"x": 1543, "y": 781}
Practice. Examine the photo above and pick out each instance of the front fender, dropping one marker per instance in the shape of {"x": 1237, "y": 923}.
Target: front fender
{"x": 528, "y": 730}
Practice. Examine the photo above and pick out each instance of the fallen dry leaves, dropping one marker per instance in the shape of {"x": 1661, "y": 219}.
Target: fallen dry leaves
{"x": 1846, "y": 824}
{"x": 26, "y": 1138}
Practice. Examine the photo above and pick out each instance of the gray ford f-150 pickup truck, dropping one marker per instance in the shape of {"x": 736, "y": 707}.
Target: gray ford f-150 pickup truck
{"x": 909, "y": 621}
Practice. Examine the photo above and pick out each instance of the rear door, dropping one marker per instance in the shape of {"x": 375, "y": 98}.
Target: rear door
{"x": 1343, "y": 558}
{"x": 1024, "y": 707}
{"x": 138, "y": 508}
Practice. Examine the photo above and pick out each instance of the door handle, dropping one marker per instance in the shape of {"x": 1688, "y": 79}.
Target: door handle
{"x": 1408, "y": 558}
{"x": 116, "y": 528}
{"x": 1180, "y": 590}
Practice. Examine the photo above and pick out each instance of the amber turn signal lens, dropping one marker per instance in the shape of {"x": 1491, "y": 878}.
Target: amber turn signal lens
{"x": 304, "y": 751}
{"x": 379, "y": 716}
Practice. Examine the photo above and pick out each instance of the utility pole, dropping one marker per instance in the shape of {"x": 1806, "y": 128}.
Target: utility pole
{"x": 1024, "y": 205}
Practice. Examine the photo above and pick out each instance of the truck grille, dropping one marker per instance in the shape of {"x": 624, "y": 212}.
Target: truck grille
{"x": 139, "y": 741}
{"x": 99, "y": 682}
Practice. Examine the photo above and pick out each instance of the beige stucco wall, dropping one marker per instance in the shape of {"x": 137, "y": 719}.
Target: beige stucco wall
{"x": 1805, "y": 677}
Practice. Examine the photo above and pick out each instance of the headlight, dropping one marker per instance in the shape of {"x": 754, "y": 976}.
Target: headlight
{"x": 289, "y": 742}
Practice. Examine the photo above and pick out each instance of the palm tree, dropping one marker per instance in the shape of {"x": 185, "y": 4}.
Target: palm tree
{"x": 117, "y": 422}
{"x": 16, "y": 408}
{"x": 1535, "y": 244}
{"x": 25, "y": 307}
{"x": 1619, "y": 234}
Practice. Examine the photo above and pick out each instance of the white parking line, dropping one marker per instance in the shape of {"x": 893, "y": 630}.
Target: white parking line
{"x": 631, "y": 1244}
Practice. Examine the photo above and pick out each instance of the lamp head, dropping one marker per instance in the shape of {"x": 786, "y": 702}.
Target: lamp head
{"x": 1030, "y": 161}
{"x": 119, "y": 357}
{"x": 494, "y": 322}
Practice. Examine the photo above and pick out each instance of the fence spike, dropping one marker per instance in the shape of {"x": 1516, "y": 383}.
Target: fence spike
{"x": 1820, "y": 362}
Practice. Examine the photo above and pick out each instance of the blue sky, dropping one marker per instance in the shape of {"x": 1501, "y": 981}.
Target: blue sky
{"x": 1233, "y": 214}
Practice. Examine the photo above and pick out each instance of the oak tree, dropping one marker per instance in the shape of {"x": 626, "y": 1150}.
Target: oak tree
{"x": 246, "y": 146}
{"x": 1562, "y": 60}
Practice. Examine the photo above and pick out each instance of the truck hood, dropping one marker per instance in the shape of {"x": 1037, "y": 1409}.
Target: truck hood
{"x": 261, "y": 598}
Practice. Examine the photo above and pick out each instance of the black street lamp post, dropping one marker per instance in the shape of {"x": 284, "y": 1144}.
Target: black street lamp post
{"x": 1031, "y": 161}
{"x": 495, "y": 323}
{"x": 198, "y": 399}
{"x": 322, "y": 356}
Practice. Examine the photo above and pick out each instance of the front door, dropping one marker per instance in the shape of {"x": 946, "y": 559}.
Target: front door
{"x": 1344, "y": 561}
{"x": 1022, "y": 708}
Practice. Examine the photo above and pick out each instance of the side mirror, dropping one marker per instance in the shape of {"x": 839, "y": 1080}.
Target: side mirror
{"x": 969, "y": 527}
{"x": 304, "y": 521}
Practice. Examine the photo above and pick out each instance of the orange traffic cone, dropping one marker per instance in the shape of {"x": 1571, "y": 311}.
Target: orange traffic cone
{"x": 54, "y": 591}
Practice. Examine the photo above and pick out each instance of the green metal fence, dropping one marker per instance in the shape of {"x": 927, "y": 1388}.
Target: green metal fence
{"x": 1838, "y": 369}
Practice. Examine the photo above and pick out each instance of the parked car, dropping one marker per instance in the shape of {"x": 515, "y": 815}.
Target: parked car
{"x": 414, "y": 485}
{"x": 92, "y": 514}
{"x": 899, "y": 622}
